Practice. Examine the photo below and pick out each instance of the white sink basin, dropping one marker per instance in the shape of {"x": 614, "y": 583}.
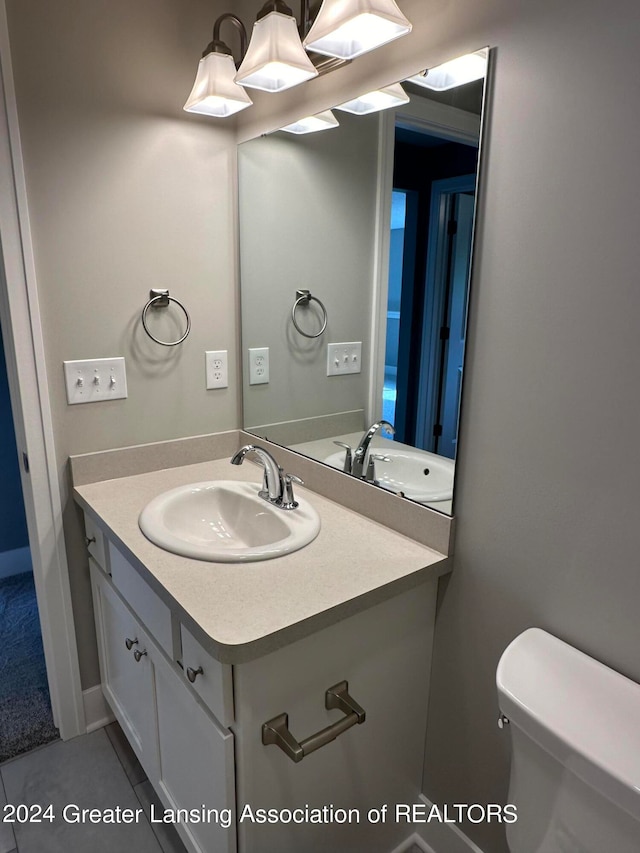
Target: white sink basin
{"x": 421, "y": 476}
{"x": 225, "y": 521}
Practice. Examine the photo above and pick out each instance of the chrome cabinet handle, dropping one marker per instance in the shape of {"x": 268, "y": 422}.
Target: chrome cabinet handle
{"x": 88, "y": 541}
{"x": 138, "y": 655}
{"x": 130, "y": 643}
{"x": 192, "y": 673}
{"x": 276, "y": 731}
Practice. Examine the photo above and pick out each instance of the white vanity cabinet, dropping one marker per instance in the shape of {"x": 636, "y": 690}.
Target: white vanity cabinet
{"x": 197, "y": 724}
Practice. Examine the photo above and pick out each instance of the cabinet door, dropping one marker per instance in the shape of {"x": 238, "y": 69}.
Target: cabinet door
{"x": 127, "y": 677}
{"x": 196, "y": 765}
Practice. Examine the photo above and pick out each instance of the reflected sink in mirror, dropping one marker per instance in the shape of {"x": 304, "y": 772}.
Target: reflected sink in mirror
{"x": 421, "y": 476}
{"x": 225, "y": 521}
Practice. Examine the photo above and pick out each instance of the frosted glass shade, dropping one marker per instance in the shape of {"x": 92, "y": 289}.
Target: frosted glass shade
{"x": 373, "y": 102}
{"x": 215, "y": 93}
{"x": 456, "y": 72}
{"x": 349, "y": 28}
{"x": 312, "y": 124}
{"x": 275, "y": 59}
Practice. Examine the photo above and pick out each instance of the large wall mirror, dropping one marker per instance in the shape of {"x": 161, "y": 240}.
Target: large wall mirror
{"x": 355, "y": 260}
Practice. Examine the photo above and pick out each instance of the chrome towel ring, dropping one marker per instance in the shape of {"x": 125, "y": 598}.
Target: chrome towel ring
{"x": 304, "y": 297}
{"x": 161, "y": 299}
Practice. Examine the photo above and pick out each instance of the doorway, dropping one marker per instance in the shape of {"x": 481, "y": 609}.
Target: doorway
{"x": 432, "y": 211}
{"x": 26, "y": 718}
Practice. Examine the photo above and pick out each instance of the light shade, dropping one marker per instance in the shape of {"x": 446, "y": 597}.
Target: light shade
{"x": 456, "y": 72}
{"x": 312, "y": 124}
{"x": 349, "y": 28}
{"x": 275, "y": 59}
{"x": 380, "y": 99}
{"x": 215, "y": 93}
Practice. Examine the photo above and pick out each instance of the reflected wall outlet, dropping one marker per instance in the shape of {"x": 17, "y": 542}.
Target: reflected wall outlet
{"x": 95, "y": 380}
{"x": 258, "y": 365}
{"x": 344, "y": 358}
{"x": 217, "y": 370}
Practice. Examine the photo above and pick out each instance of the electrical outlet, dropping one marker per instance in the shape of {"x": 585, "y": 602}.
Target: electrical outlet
{"x": 344, "y": 358}
{"x": 258, "y": 365}
{"x": 217, "y": 370}
{"x": 95, "y": 380}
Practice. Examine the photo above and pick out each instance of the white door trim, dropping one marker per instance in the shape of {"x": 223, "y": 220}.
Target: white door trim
{"x": 24, "y": 349}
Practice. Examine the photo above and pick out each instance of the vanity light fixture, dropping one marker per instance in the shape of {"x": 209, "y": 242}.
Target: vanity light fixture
{"x": 348, "y": 28}
{"x": 456, "y": 72}
{"x": 275, "y": 59}
{"x": 373, "y": 102}
{"x": 312, "y": 124}
{"x": 215, "y": 92}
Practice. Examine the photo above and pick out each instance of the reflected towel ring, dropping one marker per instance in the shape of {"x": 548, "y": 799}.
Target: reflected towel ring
{"x": 161, "y": 299}
{"x": 304, "y": 297}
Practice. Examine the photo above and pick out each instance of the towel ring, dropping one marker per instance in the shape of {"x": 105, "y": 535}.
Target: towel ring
{"x": 161, "y": 299}
{"x": 304, "y": 297}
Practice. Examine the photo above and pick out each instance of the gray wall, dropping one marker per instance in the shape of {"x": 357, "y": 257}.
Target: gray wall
{"x": 126, "y": 192}
{"x": 307, "y": 220}
{"x": 547, "y": 494}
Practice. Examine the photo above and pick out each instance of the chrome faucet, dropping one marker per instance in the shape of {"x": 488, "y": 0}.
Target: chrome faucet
{"x": 360, "y": 453}
{"x": 277, "y": 487}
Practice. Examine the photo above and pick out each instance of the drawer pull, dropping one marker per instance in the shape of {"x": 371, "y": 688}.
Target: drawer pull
{"x": 138, "y": 655}
{"x": 130, "y": 643}
{"x": 192, "y": 673}
{"x": 276, "y": 731}
{"x": 88, "y": 540}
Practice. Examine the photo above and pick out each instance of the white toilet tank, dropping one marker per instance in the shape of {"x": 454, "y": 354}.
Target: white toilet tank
{"x": 575, "y": 766}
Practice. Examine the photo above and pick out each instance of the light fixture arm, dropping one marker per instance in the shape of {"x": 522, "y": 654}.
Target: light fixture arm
{"x": 218, "y": 46}
{"x": 305, "y": 17}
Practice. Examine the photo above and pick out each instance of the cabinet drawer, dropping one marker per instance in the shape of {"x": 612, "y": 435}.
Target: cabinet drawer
{"x": 153, "y": 613}
{"x": 214, "y": 683}
{"x": 96, "y": 543}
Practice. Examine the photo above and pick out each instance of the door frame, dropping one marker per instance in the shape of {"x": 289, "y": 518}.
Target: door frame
{"x": 434, "y": 119}
{"x": 31, "y": 407}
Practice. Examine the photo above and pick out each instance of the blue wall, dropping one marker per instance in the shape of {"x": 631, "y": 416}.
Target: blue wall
{"x": 13, "y": 525}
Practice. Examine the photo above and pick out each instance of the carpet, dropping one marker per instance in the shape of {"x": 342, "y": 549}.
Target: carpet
{"x": 26, "y": 720}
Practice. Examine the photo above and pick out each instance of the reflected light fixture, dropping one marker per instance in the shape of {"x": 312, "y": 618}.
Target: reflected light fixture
{"x": 215, "y": 92}
{"x": 349, "y": 28}
{"x": 456, "y": 72}
{"x": 373, "y": 102}
{"x": 275, "y": 59}
{"x": 312, "y": 124}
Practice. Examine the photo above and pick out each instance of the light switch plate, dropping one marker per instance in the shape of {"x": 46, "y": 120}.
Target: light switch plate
{"x": 95, "y": 380}
{"x": 258, "y": 365}
{"x": 217, "y": 370}
{"x": 344, "y": 358}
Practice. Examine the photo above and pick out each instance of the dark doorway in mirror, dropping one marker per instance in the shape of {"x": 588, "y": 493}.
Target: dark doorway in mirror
{"x": 430, "y": 249}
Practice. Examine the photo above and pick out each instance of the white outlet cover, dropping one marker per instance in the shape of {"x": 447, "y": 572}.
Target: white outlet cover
{"x": 95, "y": 380}
{"x": 217, "y": 369}
{"x": 258, "y": 365}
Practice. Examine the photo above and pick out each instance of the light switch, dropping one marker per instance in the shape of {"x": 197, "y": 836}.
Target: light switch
{"x": 95, "y": 380}
{"x": 344, "y": 358}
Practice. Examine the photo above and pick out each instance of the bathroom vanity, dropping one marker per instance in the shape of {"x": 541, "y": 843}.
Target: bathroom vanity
{"x": 196, "y": 657}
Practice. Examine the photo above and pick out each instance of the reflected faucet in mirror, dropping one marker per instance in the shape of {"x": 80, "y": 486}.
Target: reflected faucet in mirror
{"x": 355, "y": 461}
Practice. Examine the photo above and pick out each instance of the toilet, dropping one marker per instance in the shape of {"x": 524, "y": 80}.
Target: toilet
{"x": 575, "y": 763}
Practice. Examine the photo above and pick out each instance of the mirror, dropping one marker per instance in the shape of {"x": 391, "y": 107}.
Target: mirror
{"x": 355, "y": 261}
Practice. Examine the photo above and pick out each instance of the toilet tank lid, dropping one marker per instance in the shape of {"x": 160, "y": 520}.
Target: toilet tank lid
{"x": 583, "y": 713}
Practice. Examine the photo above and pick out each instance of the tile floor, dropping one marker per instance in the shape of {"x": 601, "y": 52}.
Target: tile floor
{"x": 98, "y": 770}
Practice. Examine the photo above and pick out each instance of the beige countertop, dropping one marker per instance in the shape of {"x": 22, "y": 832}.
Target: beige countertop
{"x": 241, "y": 611}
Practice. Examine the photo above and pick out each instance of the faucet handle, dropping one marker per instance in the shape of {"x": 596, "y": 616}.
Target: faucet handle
{"x": 370, "y": 476}
{"x": 288, "y": 499}
{"x": 348, "y": 457}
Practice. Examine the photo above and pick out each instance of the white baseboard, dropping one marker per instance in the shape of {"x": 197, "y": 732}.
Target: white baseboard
{"x": 96, "y": 711}
{"x": 413, "y": 843}
{"x": 444, "y": 837}
{"x": 15, "y": 562}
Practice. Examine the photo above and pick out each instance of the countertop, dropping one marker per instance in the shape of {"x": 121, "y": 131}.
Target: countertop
{"x": 241, "y": 611}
